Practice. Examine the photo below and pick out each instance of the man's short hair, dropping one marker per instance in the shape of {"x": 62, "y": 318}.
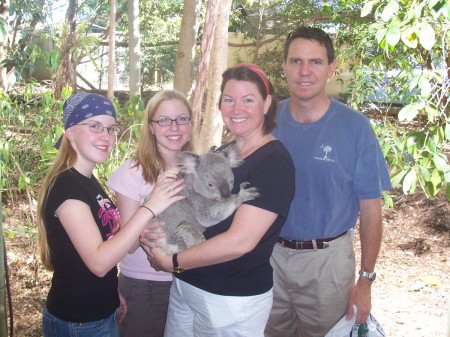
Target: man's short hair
{"x": 313, "y": 34}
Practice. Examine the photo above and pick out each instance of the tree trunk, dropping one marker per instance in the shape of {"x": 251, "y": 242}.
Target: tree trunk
{"x": 207, "y": 42}
{"x": 258, "y": 34}
{"x": 184, "y": 63}
{"x": 66, "y": 73}
{"x": 112, "y": 48}
{"x": 134, "y": 48}
{"x": 212, "y": 124}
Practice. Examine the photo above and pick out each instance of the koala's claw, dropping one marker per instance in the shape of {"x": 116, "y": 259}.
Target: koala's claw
{"x": 244, "y": 185}
{"x": 247, "y": 194}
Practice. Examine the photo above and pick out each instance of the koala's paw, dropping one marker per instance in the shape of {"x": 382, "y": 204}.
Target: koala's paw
{"x": 246, "y": 194}
{"x": 188, "y": 234}
{"x": 171, "y": 249}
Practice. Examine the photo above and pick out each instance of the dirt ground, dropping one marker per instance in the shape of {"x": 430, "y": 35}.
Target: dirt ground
{"x": 410, "y": 295}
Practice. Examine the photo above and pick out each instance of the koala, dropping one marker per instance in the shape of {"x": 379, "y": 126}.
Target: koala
{"x": 209, "y": 181}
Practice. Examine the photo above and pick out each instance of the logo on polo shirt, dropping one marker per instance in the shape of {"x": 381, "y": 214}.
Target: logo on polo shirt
{"x": 326, "y": 152}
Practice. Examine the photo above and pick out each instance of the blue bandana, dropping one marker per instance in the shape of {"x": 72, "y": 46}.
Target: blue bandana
{"x": 81, "y": 106}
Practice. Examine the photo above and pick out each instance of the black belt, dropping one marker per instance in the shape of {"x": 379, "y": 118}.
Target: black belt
{"x": 297, "y": 244}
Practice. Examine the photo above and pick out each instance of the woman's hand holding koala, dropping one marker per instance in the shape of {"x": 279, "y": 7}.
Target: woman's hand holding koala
{"x": 148, "y": 240}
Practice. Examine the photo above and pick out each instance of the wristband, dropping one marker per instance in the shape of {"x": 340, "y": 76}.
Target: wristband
{"x": 154, "y": 216}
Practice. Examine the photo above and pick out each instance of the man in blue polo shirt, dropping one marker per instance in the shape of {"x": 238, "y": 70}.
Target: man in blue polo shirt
{"x": 340, "y": 175}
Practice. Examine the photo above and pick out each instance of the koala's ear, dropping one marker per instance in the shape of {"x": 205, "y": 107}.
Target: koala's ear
{"x": 232, "y": 153}
{"x": 188, "y": 161}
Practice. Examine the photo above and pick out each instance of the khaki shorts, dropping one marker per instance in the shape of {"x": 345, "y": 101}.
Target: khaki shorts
{"x": 311, "y": 288}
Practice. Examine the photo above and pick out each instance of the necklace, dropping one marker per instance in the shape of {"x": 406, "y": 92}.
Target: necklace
{"x": 246, "y": 150}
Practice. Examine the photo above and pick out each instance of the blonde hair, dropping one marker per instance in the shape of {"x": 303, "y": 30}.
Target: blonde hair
{"x": 65, "y": 159}
{"x": 147, "y": 154}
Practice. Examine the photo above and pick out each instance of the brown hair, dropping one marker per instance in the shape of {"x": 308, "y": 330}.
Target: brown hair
{"x": 312, "y": 34}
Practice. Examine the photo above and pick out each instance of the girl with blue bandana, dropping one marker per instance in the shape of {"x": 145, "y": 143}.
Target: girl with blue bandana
{"x": 79, "y": 231}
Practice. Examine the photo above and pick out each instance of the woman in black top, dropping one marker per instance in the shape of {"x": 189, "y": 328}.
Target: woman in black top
{"x": 223, "y": 287}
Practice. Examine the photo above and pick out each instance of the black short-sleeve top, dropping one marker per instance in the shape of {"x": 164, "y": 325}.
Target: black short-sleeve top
{"x": 76, "y": 294}
{"x": 271, "y": 170}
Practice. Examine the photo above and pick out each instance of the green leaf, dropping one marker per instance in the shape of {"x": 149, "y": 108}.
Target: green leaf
{"x": 425, "y": 87}
{"x": 446, "y": 171}
{"x": 396, "y": 178}
{"x": 390, "y": 10}
{"x": 54, "y": 59}
{"x": 409, "y": 37}
{"x": 388, "y": 200}
{"x": 408, "y": 113}
{"x": 393, "y": 35}
{"x": 427, "y": 36}
{"x": 436, "y": 181}
{"x": 438, "y": 7}
{"x": 409, "y": 182}
{"x": 424, "y": 173}
{"x": 380, "y": 35}
{"x": 440, "y": 161}
{"x": 367, "y": 9}
{"x": 23, "y": 182}
{"x": 432, "y": 113}
{"x": 38, "y": 120}
{"x": 432, "y": 3}
{"x": 414, "y": 82}
{"x": 418, "y": 8}
{"x": 66, "y": 92}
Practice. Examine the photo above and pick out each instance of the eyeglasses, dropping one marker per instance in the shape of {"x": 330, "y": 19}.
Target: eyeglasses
{"x": 166, "y": 121}
{"x": 98, "y": 128}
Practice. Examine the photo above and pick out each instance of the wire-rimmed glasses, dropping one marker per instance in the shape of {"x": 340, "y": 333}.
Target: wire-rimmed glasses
{"x": 166, "y": 121}
{"x": 98, "y": 128}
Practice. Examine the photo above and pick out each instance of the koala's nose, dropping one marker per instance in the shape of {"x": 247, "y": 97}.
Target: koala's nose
{"x": 225, "y": 191}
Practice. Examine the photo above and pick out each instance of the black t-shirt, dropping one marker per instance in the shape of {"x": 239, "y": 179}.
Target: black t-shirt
{"x": 271, "y": 170}
{"x": 77, "y": 295}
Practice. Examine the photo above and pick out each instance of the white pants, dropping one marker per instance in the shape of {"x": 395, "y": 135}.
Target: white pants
{"x": 195, "y": 312}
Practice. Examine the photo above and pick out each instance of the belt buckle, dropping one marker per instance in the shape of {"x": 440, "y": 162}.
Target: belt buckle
{"x": 326, "y": 245}
{"x": 301, "y": 245}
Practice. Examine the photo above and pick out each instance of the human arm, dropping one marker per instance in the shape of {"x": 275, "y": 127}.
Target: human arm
{"x": 371, "y": 231}
{"x": 272, "y": 173}
{"x": 249, "y": 225}
{"x": 100, "y": 256}
{"x": 127, "y": 208}
{"x": 130, "y": 188}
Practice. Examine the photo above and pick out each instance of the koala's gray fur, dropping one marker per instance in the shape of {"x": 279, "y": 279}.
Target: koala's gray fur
{"x": 209, "y": 181}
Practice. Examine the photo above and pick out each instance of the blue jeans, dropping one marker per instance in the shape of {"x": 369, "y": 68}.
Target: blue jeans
{"x": 55, "y": 327}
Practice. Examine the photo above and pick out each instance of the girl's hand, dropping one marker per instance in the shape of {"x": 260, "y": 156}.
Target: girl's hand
{"x": 122, "y": 310}
{"x": 165, "y": 192}
{"x": 151, "y": 234}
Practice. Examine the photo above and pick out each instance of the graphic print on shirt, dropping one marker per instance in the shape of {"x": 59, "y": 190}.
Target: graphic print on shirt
{"x": 325, "y": 153}
{"x": 109, "y": 215}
